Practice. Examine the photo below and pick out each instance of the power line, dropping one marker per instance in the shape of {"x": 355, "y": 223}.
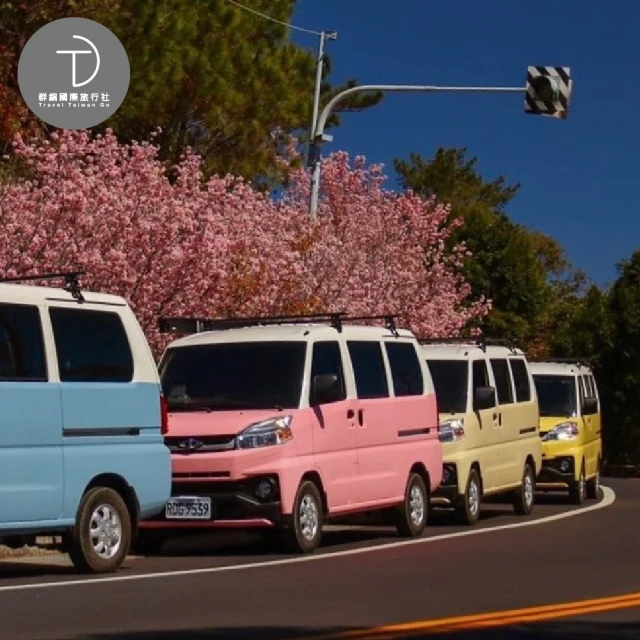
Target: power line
{"x": 266, "y": 17}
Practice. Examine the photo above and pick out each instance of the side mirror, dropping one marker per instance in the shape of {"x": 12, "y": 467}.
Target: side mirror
{"x": 589, "y": 406}
{"x": 484, "y": 398}
{"x": 326, "y": 388}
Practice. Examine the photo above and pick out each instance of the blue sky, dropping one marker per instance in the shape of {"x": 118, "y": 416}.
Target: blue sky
{"x": 578, "y": 176}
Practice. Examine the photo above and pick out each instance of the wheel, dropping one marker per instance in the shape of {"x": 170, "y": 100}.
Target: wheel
{"x": 305, "y": 531}
{"x": 468, "y": 510}
{"x": 593, "y": 485}
{"x": 523, "y": 499}
{"x": 411, "y": 515}
{"x": 100, "y": 539}
{"x": 577, "y": 489}
{"x": 148, "y": 543}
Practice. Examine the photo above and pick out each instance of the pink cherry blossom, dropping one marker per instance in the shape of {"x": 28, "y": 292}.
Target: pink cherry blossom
{"x": 181, "y": 246}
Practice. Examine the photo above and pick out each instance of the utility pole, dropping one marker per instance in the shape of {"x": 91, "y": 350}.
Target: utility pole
{"x": 547, "y": 92}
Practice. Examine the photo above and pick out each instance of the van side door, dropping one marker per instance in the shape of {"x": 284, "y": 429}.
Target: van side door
{"x": 333, "y": 427}
{"x": 376, "y": 422}
{"x": 103, "y": 404}
{"x": 510, "y": 422}
{"x": 31, "y": 466}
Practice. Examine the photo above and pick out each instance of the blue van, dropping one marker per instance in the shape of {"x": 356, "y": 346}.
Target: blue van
{"x": 82, "y": 422}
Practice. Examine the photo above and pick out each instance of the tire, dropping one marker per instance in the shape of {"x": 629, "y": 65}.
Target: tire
{"x": 84, "y": 549}
{"x": 304, "y": 533}
{"x": 593, "y": 485}
{"x": 524, "y": 495}
{"x": 468, "y": 510}
{"x": 577, "y": 489}
{"x": 411, "y": 515}
{"x": 148, "y": 543}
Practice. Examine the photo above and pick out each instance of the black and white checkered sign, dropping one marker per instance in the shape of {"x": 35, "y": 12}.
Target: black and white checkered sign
{"x": 537, "y": 104}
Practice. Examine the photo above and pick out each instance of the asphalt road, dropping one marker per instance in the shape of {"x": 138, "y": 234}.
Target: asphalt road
{"x": 362, "y": 579}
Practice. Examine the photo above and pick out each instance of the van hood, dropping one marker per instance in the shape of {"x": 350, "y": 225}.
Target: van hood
{"x": 217, "y": 423}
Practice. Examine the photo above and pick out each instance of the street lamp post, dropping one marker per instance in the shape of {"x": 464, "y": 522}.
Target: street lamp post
{"x": 324, "y": 36}
{"x": 547, "y": 93}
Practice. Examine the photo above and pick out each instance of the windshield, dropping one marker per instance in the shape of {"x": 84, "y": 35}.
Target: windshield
{"x": 450, "y": 378}
{"x": 241, "y": 375}
{"x": 556, "y": 395}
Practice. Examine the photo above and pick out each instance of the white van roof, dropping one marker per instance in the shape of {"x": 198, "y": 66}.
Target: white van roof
{"x": 31, "y": 294}
{"x": 466, "y": 350}
{"x": 289, "y": 332}
{"x": 551, "y": 368}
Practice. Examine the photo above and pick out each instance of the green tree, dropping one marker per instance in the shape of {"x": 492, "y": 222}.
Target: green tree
{"x": 209, "y": 74}
{"x": 621, "y": 364}
{"x": 524, "y": 272}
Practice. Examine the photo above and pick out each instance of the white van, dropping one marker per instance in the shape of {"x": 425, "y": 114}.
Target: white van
{"x": 489, "y": 416}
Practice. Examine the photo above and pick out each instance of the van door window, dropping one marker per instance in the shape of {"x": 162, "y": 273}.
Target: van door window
{"x": 520, "y": 379}
{"x": 406, "y": 372}
{"x": 480, "y": 374}
{"x": 368, "y": 369}
{"x": 503, "y": 380}
{"x": 21, "y": 344}
{"x": 92, "y": 346}
{"x": 326, "y": 359}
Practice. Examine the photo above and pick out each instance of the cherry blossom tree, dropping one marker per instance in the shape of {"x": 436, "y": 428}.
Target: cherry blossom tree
{"x": 173, "y": 244}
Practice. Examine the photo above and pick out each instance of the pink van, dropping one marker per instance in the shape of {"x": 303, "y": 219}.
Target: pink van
{"x": 285, "y": 423}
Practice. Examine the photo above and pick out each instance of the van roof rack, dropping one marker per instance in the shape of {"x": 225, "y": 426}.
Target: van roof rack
{"x": 480, "y": 341}
{"x": 580, "y": 362}
{"x": 72, "y": 284}
{"x": 198, "y": 325}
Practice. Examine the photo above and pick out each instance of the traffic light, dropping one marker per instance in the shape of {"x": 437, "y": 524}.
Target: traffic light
{"x": 548, "y": 91}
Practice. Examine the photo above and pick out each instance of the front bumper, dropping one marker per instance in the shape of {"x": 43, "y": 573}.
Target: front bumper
{"x": 556, "y": 473}
{"x": 234, "y": 504}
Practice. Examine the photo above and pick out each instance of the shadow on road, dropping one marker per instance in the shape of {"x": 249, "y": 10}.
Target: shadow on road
{"x": 559, "y": 630}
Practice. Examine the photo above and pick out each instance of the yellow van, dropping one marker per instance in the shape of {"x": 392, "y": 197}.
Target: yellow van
{"x": 488, "y": 413}
{"x": 570, "y": 428}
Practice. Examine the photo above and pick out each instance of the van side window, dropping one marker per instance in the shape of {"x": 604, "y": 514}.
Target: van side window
{"x": 368, "y": 369}
{"x": 326, "y": 359}
{"x": 405, "y": 369}
{"x": 594, "y": 388}
{"x": 503, "y": 380}
{"x": 480, "y": 374}
{"x": 21, "y": 344}
{"x": 520, "y": 379}
{"x": 92, "y": 346}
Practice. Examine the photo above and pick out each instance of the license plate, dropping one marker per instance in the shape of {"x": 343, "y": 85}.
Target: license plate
{"x": 188, "y": 508}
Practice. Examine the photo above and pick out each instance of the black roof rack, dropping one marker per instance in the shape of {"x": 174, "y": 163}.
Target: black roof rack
{"x": 197, "y": 325}
{"x": 72, "y": 285}
{"x": 580, "y": 362}
{"x": 480, "y": 341}
{"x": 389, "y": 318}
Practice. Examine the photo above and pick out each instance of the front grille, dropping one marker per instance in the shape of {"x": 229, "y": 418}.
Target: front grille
{"x": 200, "y": 444}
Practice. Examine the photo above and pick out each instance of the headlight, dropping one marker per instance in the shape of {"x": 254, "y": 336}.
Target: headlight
{"x": 266, "y": 433}
{"x": 451, "y": 430}
{"x": 563, "y": 431}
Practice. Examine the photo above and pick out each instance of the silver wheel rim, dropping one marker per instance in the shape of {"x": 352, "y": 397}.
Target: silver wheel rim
{"x": 416, "y": 506}
{"x": 528, "y": 490}
{"x": 474, "y": 498}
{"x": 597, "y": 481}
{"x": 308, "y": 515}
{"x": 105, "y": 531}
{"x": 581, "y": 485}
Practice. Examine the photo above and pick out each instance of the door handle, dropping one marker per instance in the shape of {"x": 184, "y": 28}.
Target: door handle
{"x": 360, "y": 417}
{"x": 351, "y": 414}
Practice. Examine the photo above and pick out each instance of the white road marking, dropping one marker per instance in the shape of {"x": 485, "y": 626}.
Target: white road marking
{"x": 608, "y": 499}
